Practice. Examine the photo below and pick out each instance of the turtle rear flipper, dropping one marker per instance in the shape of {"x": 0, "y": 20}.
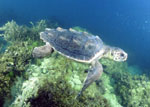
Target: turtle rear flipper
{"x": 42, "y": 51}
{"x": 93, "y": 74}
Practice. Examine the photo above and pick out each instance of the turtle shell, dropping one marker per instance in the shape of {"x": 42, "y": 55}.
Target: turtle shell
{"x": 80, "y": 46}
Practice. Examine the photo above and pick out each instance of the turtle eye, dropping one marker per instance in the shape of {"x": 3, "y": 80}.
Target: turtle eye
{"x": 122, "y": 55}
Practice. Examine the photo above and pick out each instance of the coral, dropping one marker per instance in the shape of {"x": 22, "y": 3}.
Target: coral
{"x": 57, "y": 81}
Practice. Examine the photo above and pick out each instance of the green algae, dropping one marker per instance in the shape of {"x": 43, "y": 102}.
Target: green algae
{"x": 60, "y": 78}
{"x": 13, "y": 63}
{"x": 130, "y": 90}
{"x": 18, "y": 55}
{"x": 13, "y": 32}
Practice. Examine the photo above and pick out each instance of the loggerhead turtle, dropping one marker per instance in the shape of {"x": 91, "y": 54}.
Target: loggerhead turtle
{"x": 81, "y": 47}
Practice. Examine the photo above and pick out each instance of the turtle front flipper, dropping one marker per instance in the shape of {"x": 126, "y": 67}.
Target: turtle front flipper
{"x": 93, "y": 74}
{"x": 39, "y": 52}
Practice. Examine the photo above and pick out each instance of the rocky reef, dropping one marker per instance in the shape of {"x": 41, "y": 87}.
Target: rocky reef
{"x": 13, "y": 62}
{"x": 57, "y": 84}
{"x": 130, "y": 89}
{"x": 55, "y": 80}
{"x": 16, "y": 57}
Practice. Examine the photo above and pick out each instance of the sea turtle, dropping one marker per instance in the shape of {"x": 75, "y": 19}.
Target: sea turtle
{"x": 81, "y": 47}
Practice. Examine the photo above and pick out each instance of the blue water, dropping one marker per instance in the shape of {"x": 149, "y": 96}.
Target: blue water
{"x": 122, "y": 23}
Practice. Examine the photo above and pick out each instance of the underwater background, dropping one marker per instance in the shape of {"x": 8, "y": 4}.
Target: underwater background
{"x": 120, "y": 23}
{"x": 124, "y": 24}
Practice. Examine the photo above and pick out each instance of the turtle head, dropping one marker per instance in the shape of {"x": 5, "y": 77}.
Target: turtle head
{"x": 115, "y": 53}
{"x": 118, "y": 54}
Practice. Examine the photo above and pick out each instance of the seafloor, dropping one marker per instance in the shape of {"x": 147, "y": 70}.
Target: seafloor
{"x": 54, "y": 81}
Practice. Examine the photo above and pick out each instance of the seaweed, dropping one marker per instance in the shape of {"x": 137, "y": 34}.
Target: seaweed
{"x": 57, "y": 81}
{"x": 130, "y": 89}
{"x": 13, "y": 62}
{"x": 13, "y": 32}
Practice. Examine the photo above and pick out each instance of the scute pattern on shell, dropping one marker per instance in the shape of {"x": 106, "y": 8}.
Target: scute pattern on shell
{"x": 80, "y": 46}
